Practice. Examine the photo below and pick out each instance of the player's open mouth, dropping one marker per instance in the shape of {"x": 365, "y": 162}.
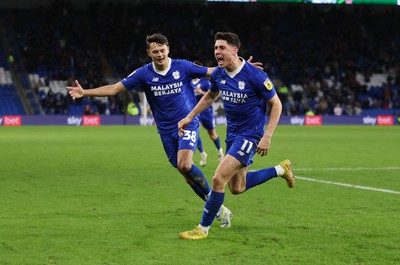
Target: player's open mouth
{"x": 220, "y": 59}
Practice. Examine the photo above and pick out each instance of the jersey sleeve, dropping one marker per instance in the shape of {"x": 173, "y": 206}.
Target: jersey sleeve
{"x": 194, "y": 70}
{"x": 133, "y": 81}
{"x": 213, "y": 82}
{"x": 206, "y": 85}
{"x": 264, "y": 85}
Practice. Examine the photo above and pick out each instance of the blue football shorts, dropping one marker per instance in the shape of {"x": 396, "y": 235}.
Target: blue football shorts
{"x": 173, "y": 143}
{"x": 242, "y": 149}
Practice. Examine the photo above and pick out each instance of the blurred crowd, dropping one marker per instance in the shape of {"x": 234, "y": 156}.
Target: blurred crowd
{"x": 323, "y": 59}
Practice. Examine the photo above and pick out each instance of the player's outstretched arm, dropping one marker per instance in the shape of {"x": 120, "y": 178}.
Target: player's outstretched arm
{"x": 104, "y": 91}
{"x": 75, "y": 91}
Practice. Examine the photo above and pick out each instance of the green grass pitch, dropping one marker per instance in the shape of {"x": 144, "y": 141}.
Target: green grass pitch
{"x": 107, "y": 195}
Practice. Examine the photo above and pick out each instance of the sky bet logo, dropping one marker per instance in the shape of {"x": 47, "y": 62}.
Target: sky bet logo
{"x": 296, "y": 120}
{"x": 11, "y": 120}
{"x": 74, "y": 121}
{"x": 86, "y": 120}
{"x": 91, "y": 120}
{"x": 385, "y": 120}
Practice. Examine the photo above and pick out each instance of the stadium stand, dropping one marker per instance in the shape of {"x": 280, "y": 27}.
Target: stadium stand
{"x": 319, "y": 56}
{"x": 10, "y": 103}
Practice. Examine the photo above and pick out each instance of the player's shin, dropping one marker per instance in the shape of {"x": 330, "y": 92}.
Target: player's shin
{"x": 254, "y": 178}
{"x": 198, "y": 191}
{"x": 200, "y": 183}
{"x": 217, "y": 143}
{"x": 211, "y": 208}
{"x": 200, "y": 145}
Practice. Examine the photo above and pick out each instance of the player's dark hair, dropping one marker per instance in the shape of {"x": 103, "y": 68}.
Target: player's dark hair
{"x": 157, "y": 38}
{"x": 231, "y": 38}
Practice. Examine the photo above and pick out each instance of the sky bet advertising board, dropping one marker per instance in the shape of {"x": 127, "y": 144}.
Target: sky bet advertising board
{"x": 99, "y": 120}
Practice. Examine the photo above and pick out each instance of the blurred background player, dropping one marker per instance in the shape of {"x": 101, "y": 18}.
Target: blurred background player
{"x": 200, "y": 87}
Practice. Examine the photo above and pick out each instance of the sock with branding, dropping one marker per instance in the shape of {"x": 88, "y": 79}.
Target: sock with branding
{"x": 198, "y": 191}
{"x": 254, "y": 178}
{"x": 211, "y": 208}
{"x": 200, "y": 183}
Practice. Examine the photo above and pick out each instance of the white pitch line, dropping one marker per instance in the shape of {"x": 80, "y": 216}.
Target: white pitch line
{"x": 349, "y": 185}
{"x": 348, "y": 168}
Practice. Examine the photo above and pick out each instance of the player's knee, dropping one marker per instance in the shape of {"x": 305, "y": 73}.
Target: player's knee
{"x": 213, "y": 135}
{"x": 184, "y": 167}
{"x": 218, "y": 182}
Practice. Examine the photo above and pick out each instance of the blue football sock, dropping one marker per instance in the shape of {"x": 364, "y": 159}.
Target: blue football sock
{"x": 200, "y": 183}
{"x": 198, "y": 191}
{"x": 217, "y": 143}
{"x": 211, "y": 208}
{"x": 254, "y": 178}
{"x": 200, "y": 145}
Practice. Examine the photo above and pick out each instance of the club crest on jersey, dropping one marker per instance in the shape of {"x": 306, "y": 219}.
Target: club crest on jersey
{"x": 176, "y": 75}
{"x": 241, "y": 85}
{"x": 155, "y": 79}
{"x": 223, "y": 82}
{"x": 268, "y": 84}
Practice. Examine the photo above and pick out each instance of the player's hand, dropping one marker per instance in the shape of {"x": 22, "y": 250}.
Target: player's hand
{"x": 182, "y": 124}
{"x": 75, "y": 91}
{"x": 255, "y": 64}
{"x": 263, "y": 146}
{"x": 197, "y": 90}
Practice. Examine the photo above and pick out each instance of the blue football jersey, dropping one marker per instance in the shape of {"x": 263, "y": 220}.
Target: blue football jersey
{"x": 202, "y": 83}
{"x": 170, "y": 96}
{"x": 245, "y": 97}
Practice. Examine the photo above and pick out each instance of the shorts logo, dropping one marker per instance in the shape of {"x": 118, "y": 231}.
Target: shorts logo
{"x": 176, "y": 75}
{"x": 268, "y": 84}
{"x": 240, "y": 153}
{"x": 241, "y": 85}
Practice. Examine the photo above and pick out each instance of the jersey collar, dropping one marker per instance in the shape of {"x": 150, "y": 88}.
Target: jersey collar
{"x": 234, "y": 73}
{"x": 163, "y": 72}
